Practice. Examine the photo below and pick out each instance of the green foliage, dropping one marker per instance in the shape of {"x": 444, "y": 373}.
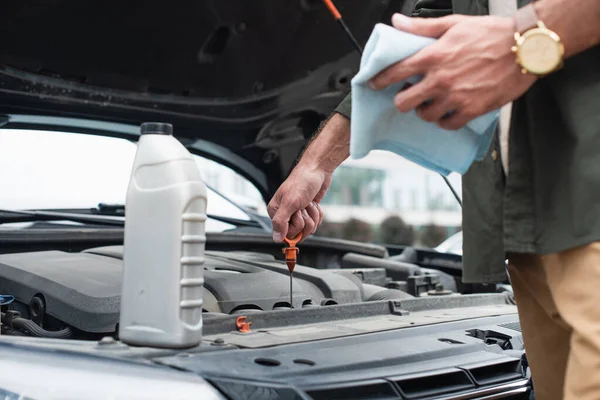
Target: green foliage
{"x": 329, "y": 229}
{"x": 355, "y": 229}
{"x": 394, "y": 230}
{"x": 432, "y": 235}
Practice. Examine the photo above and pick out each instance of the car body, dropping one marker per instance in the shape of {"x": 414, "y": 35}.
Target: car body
{"x": 453, "y": 244}
{"x": 244, "y": 85}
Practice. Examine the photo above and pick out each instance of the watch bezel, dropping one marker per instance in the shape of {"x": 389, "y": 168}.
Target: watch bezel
{"x": 539, "y": 30}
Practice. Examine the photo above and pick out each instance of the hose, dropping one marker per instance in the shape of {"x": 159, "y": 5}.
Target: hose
{"x": 35, "y": 330}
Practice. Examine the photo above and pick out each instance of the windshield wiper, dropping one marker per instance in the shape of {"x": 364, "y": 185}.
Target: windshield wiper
{"x": 119, "y": 209}
{"x": 12, "y": 216}
{"x": 113, "y": 216}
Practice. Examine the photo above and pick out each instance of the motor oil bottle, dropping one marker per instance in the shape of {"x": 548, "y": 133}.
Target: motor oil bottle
{"x": 165, "y": 214}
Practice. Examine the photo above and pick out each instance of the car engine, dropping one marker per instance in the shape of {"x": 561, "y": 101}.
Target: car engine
{"x": 77, "y": 294}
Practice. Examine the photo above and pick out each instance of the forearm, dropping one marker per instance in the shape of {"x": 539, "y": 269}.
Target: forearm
{"x": 578, "y": 25}
{"x": 330, "y": 147}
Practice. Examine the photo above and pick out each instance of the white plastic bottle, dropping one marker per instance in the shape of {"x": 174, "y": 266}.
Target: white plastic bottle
{"x": 165, "y": 214}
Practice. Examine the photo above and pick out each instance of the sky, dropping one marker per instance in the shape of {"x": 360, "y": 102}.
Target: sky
{"x": 43, "y": 169}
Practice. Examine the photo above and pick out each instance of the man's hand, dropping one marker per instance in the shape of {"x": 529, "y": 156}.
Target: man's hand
{"x": 469, "y": 70}
{"x": 295, "y": 206}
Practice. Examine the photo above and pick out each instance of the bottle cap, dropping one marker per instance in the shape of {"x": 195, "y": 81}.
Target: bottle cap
{"x": 156, "y": 128}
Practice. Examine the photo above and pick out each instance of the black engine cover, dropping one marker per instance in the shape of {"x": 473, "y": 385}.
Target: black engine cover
{"x": 84, "y": 289}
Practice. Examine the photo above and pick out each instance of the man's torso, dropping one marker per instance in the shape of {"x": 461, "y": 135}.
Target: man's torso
{"x": 550, "y": 200}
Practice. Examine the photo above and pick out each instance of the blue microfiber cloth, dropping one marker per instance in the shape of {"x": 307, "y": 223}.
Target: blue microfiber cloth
{"x": 377, "y": 125}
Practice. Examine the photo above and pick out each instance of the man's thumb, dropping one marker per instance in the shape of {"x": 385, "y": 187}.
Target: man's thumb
{"x": 429, "y": 27}
{"x": 281, "y": 224}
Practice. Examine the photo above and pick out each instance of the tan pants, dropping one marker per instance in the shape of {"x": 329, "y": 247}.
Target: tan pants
{"x": 558, "y": 297}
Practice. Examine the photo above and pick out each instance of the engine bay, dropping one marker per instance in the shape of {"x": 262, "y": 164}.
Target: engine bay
{"x": 406, "y": 312}
{"x": 77, "y": 294}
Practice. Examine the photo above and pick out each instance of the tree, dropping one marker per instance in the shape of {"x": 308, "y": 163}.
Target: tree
{"x": 329, "y": 229}
{"x": 394, "y": 230}
{"x": 355, "y": 229}
{"x": 433, "y": 235}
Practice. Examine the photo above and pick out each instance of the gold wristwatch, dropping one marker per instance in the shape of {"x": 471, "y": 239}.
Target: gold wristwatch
{"x": 539, "y": 50}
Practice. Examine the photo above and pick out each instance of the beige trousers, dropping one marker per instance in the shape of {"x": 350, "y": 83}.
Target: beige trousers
{"x": 558, "y": 298}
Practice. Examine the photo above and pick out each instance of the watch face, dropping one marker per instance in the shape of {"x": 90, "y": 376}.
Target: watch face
{"x": 540, "y": 53}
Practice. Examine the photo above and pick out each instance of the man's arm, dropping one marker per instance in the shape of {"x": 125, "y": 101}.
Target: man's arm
{"x": 295, "y": 206}
{"x": 331, "y": 147}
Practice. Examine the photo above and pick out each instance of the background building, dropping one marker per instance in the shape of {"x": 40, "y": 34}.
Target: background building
{"x": 383, "y": 185}
{"x": 364, "y": 193}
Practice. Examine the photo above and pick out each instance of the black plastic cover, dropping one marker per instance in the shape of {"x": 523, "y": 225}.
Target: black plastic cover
{"x": 428, "y": 362}
{"x": 84, "y": 289}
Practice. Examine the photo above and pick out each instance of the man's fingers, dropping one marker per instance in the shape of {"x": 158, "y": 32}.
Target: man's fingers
{"x": 280, "y": 227}
{"x": 273, "y": 205}
{"x": 430, "y": 27}
{"x": 278, "y": 218}
{"x": 305, "y": 221}
{"x": 309, "y": 224}
{"x": 296, "y": 225}
{"x": 436, "y": 110}
{"x": 321, "y": 214}
{"x": 454, "y": 122}
{"x": 415, "y": 96}
{"x": 420, "y": 62}
{"x": 314, "y": 215}
{"x": 280, "y": 214}
{"x": 396, "y": 73}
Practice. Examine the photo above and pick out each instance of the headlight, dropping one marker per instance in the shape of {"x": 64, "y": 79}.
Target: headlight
{"x": 41, "y": 374}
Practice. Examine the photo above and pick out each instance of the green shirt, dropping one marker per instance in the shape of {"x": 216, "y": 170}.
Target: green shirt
{"x": 550, "y": 200}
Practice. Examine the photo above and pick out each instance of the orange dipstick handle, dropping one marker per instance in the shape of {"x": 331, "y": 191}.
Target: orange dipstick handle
{"x": 291, "y": 252}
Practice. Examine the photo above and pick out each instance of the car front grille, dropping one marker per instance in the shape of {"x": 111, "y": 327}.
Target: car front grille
{"x": 498, "y": 380}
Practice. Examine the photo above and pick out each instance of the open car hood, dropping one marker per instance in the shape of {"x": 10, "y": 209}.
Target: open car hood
{"x": 251, "y": 79}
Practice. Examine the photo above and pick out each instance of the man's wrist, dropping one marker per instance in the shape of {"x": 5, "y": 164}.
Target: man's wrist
{"x": 538, "y": 50}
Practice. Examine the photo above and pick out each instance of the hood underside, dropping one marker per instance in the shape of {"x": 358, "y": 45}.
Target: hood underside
{"x": 256, "y": 77}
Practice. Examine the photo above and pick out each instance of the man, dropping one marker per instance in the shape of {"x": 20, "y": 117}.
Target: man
{"x": 536, "y": 197}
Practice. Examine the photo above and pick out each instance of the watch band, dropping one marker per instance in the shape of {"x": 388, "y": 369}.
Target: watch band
{"x": 503, "y": 8}
{"x": 526, "y": 18}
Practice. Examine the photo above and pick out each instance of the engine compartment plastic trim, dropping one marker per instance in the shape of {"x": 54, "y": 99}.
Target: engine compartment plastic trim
{"x": 220, "y": 324}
